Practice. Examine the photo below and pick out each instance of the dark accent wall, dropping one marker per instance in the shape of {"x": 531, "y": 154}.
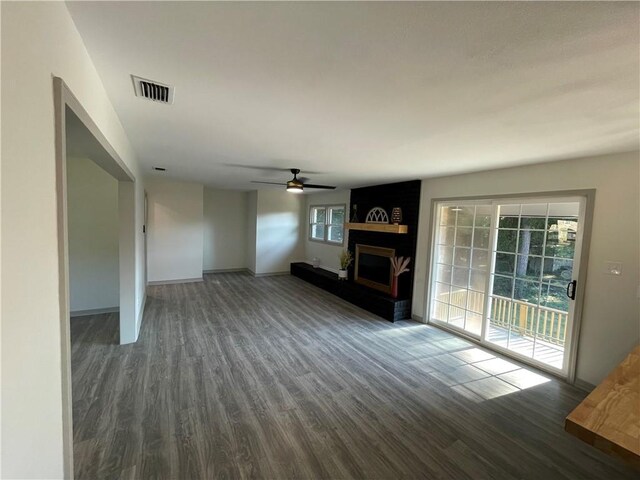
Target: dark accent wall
{"x": 405, "y": 195}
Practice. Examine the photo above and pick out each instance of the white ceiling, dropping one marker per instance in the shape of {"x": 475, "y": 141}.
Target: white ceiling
{"x": 367, "y": 92}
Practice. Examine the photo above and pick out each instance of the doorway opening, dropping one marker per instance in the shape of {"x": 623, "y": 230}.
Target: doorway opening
{"x": 79, "y": 141}
{"x": 93, "y": 230}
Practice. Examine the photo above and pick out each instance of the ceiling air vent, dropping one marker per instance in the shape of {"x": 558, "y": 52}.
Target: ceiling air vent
{"x": 156, "y": 91}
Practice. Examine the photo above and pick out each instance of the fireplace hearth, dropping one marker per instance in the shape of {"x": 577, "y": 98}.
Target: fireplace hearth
{"x": 392, "y": 309}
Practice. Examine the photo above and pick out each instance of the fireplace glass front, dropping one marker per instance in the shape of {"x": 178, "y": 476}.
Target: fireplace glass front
{"x": 373, "y": 267}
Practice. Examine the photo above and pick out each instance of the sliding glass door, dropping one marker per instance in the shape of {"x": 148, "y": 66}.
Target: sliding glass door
{"x": 504, "y": 272}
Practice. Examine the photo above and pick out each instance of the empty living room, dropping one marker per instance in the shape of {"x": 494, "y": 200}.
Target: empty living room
{"x": 305, "y": 240}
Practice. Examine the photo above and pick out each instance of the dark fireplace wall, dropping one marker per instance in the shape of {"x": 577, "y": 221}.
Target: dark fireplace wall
{"x": 405, "y": 195}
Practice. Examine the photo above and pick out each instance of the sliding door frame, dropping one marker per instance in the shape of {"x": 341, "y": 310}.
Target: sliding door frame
{"x": 572, "y": 351}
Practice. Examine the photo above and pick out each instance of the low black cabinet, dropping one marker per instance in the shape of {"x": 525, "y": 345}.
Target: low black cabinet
{"x": 391, "y": 309}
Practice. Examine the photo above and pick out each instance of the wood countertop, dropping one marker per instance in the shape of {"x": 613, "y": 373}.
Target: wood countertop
{"x": 609, "y": 418}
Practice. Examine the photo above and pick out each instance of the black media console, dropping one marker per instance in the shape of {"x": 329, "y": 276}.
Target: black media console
{"x": 383, "y": 305}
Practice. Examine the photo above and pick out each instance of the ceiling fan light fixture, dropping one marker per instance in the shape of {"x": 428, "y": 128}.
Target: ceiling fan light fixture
{"x": 294, "y": 186}
{"x": 297, "y": 186}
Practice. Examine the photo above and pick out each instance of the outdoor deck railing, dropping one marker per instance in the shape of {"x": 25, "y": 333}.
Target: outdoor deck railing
{"x": 526, "y": 319}
{"x": 530, "y": 320}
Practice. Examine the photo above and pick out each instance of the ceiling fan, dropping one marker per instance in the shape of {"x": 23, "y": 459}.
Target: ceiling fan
{"x": 296, "y": 185}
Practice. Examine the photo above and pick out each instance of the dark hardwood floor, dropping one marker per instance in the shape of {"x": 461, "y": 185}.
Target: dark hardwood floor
{"x": 273, "y": 378}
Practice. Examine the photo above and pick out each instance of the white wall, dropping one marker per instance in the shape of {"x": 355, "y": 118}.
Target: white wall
{"x": 0, "y": 262}
{"x": 92, "y": 203}
{"x": 175, "y": 236}
{"x": 610, "y": 320}
{"x": 327, "y": 254}
{"x": 32, "y": 410}
{"x": 225, "y": 229}
{"x": 279, "y": 231}
{"x": 252, "y": 223}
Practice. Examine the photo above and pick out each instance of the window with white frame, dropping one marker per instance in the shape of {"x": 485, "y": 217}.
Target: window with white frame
{"x": 326, "y": 223}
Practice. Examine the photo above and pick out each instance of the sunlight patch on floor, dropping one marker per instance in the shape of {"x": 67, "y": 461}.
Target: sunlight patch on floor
{"x": 479, "y": 375}
{"x": 473, "y": 372}
{"x": 401, "y": 331}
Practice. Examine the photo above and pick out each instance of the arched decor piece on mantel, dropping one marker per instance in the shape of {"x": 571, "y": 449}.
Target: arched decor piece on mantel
{"x": 377, "y": 215}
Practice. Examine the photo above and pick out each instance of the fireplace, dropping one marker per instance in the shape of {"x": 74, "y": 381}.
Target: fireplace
{"x": 373, "y": 267}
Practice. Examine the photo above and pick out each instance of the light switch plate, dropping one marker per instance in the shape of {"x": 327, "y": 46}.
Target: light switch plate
{"x": 613, "y": 268}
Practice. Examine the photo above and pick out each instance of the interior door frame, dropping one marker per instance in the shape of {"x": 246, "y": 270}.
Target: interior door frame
{"x": 110, "y": 161}
{"x": 589, "y": 195}
{"x": 145, "y": 232}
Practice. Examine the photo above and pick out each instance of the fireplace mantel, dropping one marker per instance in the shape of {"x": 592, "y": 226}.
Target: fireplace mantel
{"x": 378, "y": 227}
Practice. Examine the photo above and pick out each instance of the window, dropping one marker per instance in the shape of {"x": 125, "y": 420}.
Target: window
{"x": 326, "y": 223}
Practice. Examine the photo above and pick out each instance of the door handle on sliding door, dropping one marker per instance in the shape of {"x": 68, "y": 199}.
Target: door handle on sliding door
{"x": 571, "y": 289}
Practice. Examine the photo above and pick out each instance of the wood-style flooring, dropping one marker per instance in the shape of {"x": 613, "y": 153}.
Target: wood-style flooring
{"x": 273, "y": 378}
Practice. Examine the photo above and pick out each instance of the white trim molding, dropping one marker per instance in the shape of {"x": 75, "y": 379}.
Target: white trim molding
{"x": 94, "y": 311}
{"x": 270, "y": 274}
{"x": 226, "y": 270}
{"x": 180, "y": 280}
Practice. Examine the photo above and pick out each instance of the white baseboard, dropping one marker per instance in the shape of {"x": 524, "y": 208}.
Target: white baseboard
{"x": 417, "y": 318}
{"x": 227, "y": 270}
{"x": 94, "y": 311}
{"x": 270, "y": 274}
{"x": 172, "y": 282}
{"x": 582, "y": 385}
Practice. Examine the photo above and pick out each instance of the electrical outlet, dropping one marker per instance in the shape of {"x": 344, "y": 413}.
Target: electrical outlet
{"x": 613, "y": 268}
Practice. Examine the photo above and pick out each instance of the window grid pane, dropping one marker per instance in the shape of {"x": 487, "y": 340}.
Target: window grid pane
{"x": 326, "y": 223}
{"x": 462, "y": 263}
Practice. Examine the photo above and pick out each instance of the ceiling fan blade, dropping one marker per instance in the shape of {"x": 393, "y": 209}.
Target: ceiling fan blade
{"x": 257, "y": 167}
{"x": 269, "y": 183}
{"x": 326, "y": 187}
{"x": 264, "y": 167}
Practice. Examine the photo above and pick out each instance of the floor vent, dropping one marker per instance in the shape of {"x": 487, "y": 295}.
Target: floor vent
{"x": 151, "y": 90}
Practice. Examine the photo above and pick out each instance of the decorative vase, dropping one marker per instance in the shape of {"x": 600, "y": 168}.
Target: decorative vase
{"x": 396, "y": 215}
{"x": 343, "y": 274}
{"x": 354, "y": 215}
{"x": 394, "y": 287}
